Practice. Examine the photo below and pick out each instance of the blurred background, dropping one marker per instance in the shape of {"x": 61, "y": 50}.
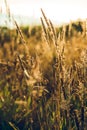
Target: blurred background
{"x": 59, "y": 11}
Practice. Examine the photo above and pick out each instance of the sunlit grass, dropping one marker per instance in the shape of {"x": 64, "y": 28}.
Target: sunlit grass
{"x": 43, "y": 77}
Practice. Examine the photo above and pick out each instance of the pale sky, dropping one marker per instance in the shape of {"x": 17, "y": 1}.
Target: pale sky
{"x": 56, "y": 10}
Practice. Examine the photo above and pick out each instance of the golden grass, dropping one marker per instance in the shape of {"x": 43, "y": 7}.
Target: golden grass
{"x": 43, "y": 84}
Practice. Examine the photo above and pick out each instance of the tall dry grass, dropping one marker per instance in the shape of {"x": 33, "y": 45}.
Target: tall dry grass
{"x": 43, "y": 85}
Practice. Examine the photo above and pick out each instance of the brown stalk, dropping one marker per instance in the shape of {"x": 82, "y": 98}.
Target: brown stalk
{"x": 8, "y": 10}
{"x": 44, "y": 30}
{"x": 46, "y": 20}
{"x": 23, "y": 68}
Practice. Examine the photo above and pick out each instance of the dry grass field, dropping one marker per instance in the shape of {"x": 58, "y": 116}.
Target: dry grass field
{"x": 43, "y": 76}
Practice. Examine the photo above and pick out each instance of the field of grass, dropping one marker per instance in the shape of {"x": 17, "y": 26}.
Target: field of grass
{"x": 43, "y": 77}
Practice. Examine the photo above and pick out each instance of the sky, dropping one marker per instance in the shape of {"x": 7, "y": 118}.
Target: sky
{"x": 56, "y": 10}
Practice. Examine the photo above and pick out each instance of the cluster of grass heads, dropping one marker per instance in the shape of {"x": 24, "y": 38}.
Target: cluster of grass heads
{"x": 43, "y": 85}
